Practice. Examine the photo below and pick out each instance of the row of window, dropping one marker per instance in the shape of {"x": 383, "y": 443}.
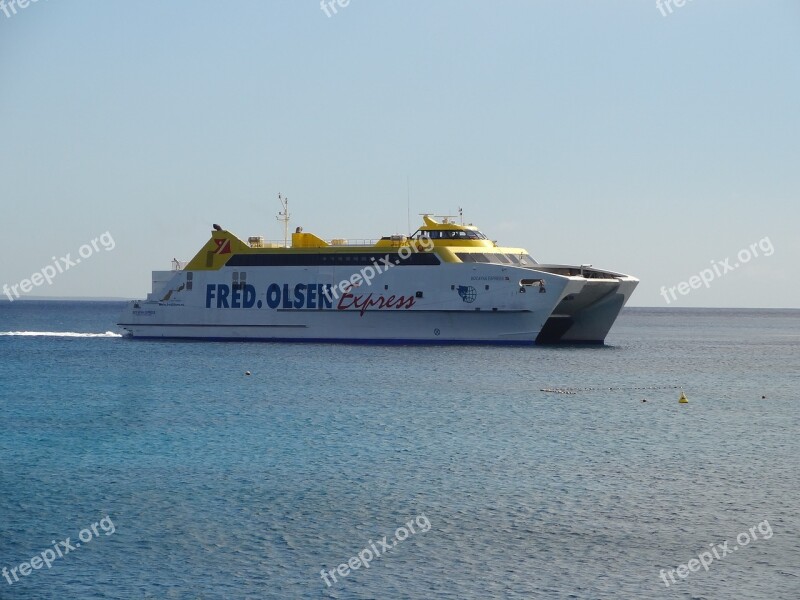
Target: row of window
{"x": 517, "y": 260}
{"x": 239, "y": 278}
{"x": 317, "y": 260}
{"x": 454, "y": 234}
{"x": 337, "y": 259}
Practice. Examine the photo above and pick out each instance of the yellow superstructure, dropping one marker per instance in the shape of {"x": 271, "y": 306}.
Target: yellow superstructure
{"x": 445, "y": 238}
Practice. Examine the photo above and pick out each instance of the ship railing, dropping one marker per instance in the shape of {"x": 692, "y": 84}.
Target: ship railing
{"x": 352, "y": 242}
{"x": 333, "y": 242}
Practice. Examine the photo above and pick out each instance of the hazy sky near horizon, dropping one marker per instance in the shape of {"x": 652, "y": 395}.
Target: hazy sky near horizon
{"x": 587, "y": 132}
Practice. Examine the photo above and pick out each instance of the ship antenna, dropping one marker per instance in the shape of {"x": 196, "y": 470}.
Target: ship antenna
{"x": 408, "y": 203}
{"x": 461, "y": 214}
{"x": 284, "y": 216}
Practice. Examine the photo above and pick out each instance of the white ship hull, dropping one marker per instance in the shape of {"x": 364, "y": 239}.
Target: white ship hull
{"x": 451, "y": 303}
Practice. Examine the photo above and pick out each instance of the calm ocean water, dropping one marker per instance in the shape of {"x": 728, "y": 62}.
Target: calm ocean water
{"x": 221, "y": 485}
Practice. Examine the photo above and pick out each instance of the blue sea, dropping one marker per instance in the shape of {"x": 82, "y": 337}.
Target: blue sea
{"x": 203, "y": 482}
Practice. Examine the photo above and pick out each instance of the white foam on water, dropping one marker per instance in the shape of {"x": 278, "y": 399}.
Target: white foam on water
{"x": 70, "y": 334}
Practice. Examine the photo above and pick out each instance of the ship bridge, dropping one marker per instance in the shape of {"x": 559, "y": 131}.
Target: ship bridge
{"x": 448, "y": 233}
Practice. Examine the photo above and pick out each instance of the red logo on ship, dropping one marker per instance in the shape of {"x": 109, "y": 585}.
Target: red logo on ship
{"x": 223, "y": 246}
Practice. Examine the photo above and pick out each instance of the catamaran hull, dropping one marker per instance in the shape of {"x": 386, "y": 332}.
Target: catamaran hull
{"x": 400, "y": 327}
{"x": 521, "y": 306}
{"x": 588, "y": 317}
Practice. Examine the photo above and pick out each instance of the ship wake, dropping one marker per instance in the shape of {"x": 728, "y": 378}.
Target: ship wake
{"x": 67, "y": 334}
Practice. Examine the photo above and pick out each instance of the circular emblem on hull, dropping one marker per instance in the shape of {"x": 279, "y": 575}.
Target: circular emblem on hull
{"x": 467, "y": 293}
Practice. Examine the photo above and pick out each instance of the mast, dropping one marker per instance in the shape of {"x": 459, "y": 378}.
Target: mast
{"x": 284, "y": 216}
{"x": 408, "y": 202}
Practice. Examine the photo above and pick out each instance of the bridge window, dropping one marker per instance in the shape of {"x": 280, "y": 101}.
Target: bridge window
{"x": 449, "y": 234}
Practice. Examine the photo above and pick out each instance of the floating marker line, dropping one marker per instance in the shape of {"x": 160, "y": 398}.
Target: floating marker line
{"x": 571, "y": 391}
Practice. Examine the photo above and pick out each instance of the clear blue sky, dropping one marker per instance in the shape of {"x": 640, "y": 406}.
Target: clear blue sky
{"x": 587, "y": 132}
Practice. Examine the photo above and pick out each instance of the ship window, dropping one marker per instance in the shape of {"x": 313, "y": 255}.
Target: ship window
{"x": 493, "y": 258}
{"x": 473, "y": 257}
{"x": 449, "y": 234}
{"x": 189, "y": 278}
{"x": 238, "y": 280}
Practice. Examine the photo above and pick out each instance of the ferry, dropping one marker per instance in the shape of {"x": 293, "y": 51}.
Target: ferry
{"x": 445, "y": 283}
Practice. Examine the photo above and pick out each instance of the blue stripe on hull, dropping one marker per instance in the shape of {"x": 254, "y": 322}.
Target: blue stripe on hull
{"x": 374, "y": 342}
{"x": 369, "y": 342}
